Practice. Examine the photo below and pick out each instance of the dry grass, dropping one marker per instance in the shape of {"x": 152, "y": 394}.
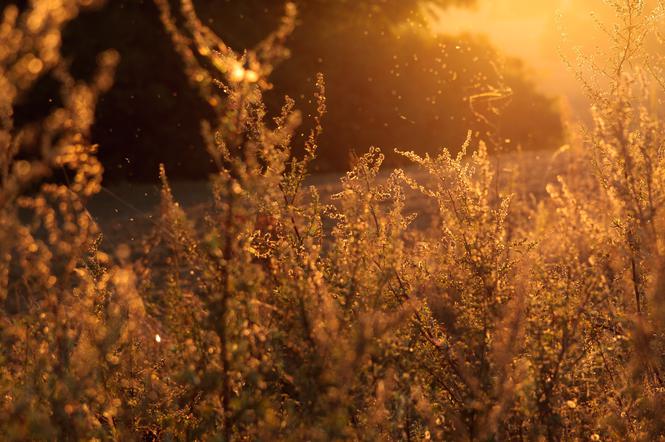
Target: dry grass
{"x": 522, "y": 301}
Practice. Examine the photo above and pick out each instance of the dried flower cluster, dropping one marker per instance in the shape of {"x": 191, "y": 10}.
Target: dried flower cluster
{"x": 496, "y": 315}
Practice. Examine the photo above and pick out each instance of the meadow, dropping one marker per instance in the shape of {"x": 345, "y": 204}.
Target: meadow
{"x": 472, "y": 295}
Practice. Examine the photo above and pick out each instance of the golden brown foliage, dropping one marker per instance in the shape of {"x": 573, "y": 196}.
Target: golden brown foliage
{"x": 498, "y": 314}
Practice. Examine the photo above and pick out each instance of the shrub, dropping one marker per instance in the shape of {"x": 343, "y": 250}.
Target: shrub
{"x": 497, "y": 314}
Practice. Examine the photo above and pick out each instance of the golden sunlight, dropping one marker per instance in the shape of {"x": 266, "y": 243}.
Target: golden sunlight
{"x": 546, "y": 34}
{"x": 318, "y": 220}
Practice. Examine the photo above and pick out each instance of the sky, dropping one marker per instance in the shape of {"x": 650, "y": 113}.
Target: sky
{"x": 541, "y": 32}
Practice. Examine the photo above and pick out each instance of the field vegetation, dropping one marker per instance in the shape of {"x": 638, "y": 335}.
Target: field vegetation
{"x": 494, "y": 309}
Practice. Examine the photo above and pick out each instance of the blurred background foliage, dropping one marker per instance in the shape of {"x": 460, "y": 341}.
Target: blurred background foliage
{"x": 391, "y": 83}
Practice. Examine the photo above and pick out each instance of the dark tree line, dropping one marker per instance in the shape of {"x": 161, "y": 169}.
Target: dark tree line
{"x": 390, "y": 83}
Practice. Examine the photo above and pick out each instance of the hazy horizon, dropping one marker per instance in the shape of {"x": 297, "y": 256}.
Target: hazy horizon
{"x": 539, "y": 33}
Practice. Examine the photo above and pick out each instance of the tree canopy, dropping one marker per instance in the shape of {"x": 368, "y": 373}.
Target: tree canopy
{"x": 390, "y": 82}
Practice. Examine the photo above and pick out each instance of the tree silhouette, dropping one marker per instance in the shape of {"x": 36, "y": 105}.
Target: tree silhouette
{"x": 378, "y": 94}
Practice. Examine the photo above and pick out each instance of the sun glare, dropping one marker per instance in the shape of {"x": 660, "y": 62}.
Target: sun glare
{"x": 346, "y": 224}
{"x": 541, "y": 33}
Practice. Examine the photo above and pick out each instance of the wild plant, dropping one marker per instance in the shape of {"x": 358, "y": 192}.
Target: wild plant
{"x": 492, "y": 313}
{"x": 68, "y": 313}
